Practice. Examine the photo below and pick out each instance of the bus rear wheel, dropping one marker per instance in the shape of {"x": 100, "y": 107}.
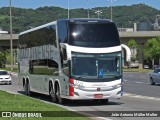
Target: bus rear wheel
{"x": 27, "y": 88}
{"x": 52, "y": 94}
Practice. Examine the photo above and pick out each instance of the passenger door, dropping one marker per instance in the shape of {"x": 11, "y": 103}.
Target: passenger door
{"x": 154, "y": 75}
{"x": 158, "y": 76}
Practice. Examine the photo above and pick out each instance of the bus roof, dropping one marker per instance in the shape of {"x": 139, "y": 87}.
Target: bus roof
{"x": 70, "y": 20}
{"x": 86, "y": 20}
{"x": 36, "y": 28}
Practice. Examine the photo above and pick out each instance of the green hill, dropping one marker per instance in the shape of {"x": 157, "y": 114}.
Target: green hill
{"x": 124, "y": 16}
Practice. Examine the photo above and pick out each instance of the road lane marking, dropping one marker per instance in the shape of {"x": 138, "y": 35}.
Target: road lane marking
{"x": 125, "y": 80}
{"x": 141, "y": 96}
{"x": 138, "y": 82}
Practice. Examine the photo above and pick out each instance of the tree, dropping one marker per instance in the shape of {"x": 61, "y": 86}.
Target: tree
{"x": 133, "y": 46}
{"x": 24, "y": 18}
{"x": 2, "y": 59}
{"x": 132, "y": 43}
{"x": 152, "y": 49}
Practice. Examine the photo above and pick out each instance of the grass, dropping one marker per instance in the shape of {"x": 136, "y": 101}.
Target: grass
{"x": 136, "y": 70}
{"x": 9, "y": 69}
{"x": 22, "y": 103}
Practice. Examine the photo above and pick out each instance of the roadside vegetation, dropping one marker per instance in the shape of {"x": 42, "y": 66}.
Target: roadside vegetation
{"x": 9, "y": 69}
{"x": 151, "y": 50}
{"x": 21, "y": 103}
{"x": 124, "y": 16}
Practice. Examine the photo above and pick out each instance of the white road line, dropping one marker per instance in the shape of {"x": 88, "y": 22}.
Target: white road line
{"x": 138, "y": 82}
{"x": 125, "y": 80}
{"x": 141, "y": 96}
{"x": 135, "y": 82}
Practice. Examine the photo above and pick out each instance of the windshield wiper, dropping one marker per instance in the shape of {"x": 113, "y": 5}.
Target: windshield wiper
{"x": 77, "y": 78}
{"x": 115, "y": 76}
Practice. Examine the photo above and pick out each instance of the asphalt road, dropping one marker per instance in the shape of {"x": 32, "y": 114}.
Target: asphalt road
{"x": 139, "y": 96}
{"x": 139, "y": 84}
{"x": 15, "y": 87}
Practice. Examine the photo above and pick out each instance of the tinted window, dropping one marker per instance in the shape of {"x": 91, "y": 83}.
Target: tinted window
{"x": 93, "y": 34}
{"x": 23, "y": 43}
{"x": 43, "y": 67}
{"x": 51, "y": 31}
{"x": 62, "y": 31}
{"x": 38, "y": 67}
{"x": 53, "y": 67}
{"x": 39, "y": 37}
{"x": 156, "y": 70}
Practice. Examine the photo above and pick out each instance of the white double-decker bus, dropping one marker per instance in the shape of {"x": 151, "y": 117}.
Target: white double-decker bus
{"x": 76, "y": 59}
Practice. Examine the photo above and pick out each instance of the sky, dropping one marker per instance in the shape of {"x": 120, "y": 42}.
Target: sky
{"x": 76, "y": 3}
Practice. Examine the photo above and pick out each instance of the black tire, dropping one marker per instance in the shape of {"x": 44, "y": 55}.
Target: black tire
{"x": 151, "y": 81}
{"x": 104, "y": 101}
{"x": 60, "y": 100}
{"x": 52, "y": 94}
{"x": 27, "y": 88}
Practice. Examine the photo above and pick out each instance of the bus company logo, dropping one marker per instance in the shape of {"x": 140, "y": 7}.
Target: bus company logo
{"x": 98, "y": 89}
{"x": 6, "y": 114}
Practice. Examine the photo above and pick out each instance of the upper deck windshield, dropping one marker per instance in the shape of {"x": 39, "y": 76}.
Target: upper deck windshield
{"x": 96, "y": 66}
{"x": 93, "y": 34}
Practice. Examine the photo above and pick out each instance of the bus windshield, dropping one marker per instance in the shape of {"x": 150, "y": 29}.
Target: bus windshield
{"x": 93, "y": 34}
{"x": 94, "y": 66}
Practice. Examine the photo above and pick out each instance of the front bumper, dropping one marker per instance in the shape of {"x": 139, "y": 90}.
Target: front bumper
{"x": 83, "y": 95}
{"x": 5, "y": 82}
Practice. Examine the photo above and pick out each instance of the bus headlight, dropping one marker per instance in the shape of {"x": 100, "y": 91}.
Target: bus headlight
{"x": 78, "y": 86}
{"x": 116, "y": 86}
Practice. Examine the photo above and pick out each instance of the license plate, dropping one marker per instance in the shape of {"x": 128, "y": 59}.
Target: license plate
{"x": 98, "y": 95}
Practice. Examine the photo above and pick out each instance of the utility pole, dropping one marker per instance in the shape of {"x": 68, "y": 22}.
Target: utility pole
{"x": 11, "y": 45}
{"x": 98, "y": 12}
{"x": 68, "y": 9}
{"x": 111, "y": 1}
{"x": 88, "y": 8}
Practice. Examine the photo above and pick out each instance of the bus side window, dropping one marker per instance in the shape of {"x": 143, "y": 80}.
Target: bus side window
{"x": 38, "y": 67}
{"x": 52, "y": 35}
{"x": 53, "y": 67}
